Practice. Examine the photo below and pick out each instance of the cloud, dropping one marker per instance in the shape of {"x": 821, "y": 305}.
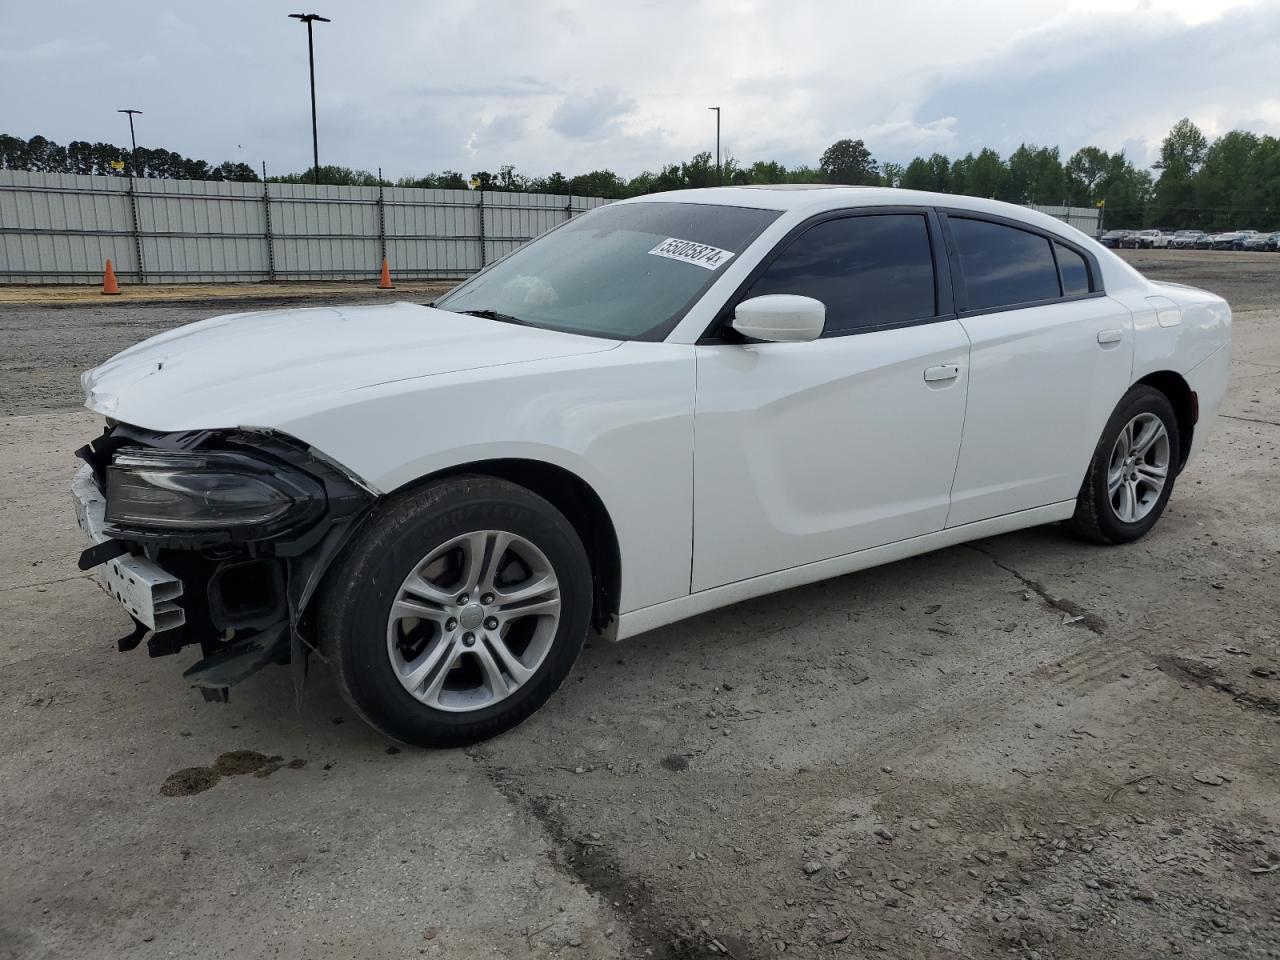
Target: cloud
{"x": 576, "y": 85}
{"x": 62, "y": 48}
{"x": 908, "y": 135}
{"x": 1119, "y": 87}
{"x": 502, "y": 130}
{"x": 591, "y": 117}
{"x": 514, "y": 87}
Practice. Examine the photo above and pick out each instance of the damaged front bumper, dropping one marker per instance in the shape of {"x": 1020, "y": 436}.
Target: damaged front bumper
{"x": 148, "y": 593}
{"x": 242, "y": 592}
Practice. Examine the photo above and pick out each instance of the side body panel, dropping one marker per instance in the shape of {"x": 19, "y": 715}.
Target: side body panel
{"x": 621, "y": 420}
{"x": 1208, "y": 379}
{"x": 1042, "y": 382}
{"x": 650, "y": 618}
{"x": 807, "y": 451}
{"x": 1188, "y": 331}
{"x": 1175, "y": 327}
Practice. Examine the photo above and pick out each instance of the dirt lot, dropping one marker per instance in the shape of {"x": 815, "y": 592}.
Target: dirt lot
{"x": 1023, "y": 747}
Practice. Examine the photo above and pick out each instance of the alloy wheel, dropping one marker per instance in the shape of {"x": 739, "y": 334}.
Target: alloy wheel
{"x": 1139, "y": 467}
{"x": 473, "y": 621}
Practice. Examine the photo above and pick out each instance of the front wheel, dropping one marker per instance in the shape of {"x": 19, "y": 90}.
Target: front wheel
{"x": 1131, "y": 474}
{"x": 457, "y": 612}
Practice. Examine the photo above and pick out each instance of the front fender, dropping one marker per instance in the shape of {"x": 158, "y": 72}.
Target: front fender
{"x": 622, "y": 421}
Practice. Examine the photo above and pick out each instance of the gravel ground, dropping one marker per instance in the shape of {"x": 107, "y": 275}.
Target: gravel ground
{"x": 1023, "y": 747}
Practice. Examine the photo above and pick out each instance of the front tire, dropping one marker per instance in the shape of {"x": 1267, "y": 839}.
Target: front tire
{"x": 458, "y": 610}
{"x": 1131, "y": 474}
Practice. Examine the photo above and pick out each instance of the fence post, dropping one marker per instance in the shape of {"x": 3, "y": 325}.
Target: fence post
{"x": 266, "y": 206}
{"x": 382, "y": 219}
{"x": 484, "y": 261}
{"x": 137, "y": 231}
{"x": 568, "y": 207}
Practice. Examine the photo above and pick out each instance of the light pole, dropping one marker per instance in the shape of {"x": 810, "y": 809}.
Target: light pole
{"x": 133, "y": 141}
{"x": 308, "y": 19}
{"x": 719, "y": 174}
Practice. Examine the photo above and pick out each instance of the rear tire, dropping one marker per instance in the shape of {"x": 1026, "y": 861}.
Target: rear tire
{"x": 1131, "y": 473}
{"x": 424, "y": 665}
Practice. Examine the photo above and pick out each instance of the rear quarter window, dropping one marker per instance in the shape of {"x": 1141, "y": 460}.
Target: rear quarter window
{"x": 1074, "y": 270}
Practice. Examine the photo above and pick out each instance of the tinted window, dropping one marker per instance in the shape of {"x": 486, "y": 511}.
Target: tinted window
{"x": 1075, "y": 272}
{"x": 869, "y": 271}
{"x": 1003, "y": 265}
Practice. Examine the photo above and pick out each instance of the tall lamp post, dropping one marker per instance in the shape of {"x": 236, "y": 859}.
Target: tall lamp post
{"x": 133, "y": 141}
{"x": 308, "y": 19}
{"x": 719, "y": 173}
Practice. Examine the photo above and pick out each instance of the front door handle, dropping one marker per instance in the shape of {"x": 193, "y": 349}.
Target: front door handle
{"x": 1109, "y": 336}
{"x": 945, "y": 371}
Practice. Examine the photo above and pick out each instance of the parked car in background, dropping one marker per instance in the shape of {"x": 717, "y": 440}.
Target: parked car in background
{"x": 1185, "y": 239}
{"x": 1112, "y": 238}
{"x": 1149, "y": 239}
{"x": 1273, "y": 242}
{"x": 1231, "y": 240}
{"x": 1257, "y": 242}
{"x": 1204, "y": 241}
{"x": 665, "y": 405}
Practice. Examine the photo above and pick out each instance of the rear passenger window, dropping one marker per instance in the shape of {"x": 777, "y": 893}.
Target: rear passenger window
{"x": 1003, "y": 266}
{"x": 870, "y": 271}
{"x": 1074, "y": 271}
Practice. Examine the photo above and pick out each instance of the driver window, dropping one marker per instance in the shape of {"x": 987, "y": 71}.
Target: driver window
{"x": 871, "y": 271}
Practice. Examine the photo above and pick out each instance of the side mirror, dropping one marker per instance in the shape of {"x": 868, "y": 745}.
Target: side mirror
{"x": 781, "y": 318}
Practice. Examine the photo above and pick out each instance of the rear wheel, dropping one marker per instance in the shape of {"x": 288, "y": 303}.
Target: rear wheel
{"x": 1132, "y": 471}
{"x": 457, "y": 612}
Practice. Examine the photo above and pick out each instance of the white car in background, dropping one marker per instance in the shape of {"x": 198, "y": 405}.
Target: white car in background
{"x": 663, "y": 406}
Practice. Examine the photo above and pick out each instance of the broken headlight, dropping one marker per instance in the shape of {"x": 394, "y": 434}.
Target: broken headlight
{"x": 170, "y": 493}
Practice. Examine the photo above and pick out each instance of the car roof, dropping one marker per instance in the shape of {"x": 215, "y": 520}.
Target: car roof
{"x": 811, "y": 199}
{"x": 816, "y": 196}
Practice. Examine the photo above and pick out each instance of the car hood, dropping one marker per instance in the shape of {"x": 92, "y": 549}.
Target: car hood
{"x": 255, "y": 369}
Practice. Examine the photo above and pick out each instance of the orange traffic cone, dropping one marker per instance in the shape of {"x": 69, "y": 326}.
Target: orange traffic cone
{"x": 385, "y": 282}
{"x": 109, "y": 285}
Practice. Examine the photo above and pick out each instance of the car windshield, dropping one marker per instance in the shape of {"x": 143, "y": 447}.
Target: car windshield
{"x": 628, "y": 271}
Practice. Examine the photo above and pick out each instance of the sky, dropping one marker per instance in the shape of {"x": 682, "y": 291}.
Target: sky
{"x": 576, "y": 85}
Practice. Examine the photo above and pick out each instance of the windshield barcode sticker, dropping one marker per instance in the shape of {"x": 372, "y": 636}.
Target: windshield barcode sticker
{"x": 699, "y": 254}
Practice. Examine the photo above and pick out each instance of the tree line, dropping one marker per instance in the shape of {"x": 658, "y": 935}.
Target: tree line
{"x": 1232, "y": 182}
{"x": 79, "y": 156}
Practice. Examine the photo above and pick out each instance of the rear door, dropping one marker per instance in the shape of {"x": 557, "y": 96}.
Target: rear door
{"x": 806, "y": 451}
{"x": 1051, "y": 356}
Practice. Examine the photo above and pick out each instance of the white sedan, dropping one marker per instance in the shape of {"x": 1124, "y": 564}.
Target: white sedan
{"x": 664, "y": 406}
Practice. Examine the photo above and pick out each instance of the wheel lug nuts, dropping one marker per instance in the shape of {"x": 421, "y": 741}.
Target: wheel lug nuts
{"x": 491, "y": 623}
{"x": 468, "y": 639}
{"x": 451, "y": 624}
{"x": 462, "y": 599}
{"x": 487, "y": 599}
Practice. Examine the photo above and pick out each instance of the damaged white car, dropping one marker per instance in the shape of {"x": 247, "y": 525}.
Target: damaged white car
{"x": 664, "y": 406}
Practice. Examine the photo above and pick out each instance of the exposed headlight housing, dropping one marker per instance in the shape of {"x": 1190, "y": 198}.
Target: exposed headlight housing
{"x": 222, "y": 495}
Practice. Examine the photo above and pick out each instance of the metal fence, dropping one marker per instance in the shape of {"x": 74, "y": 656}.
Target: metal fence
{"x": 1084, "y": 219}
{"x": 61, "y": 228}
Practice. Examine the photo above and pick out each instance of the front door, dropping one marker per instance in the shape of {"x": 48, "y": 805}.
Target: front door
{"x": 807, "y": 451}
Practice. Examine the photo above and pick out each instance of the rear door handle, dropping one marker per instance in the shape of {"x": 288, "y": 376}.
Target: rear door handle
{"x": 1110, "y": 336}
{"x": 945, "y": 371}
